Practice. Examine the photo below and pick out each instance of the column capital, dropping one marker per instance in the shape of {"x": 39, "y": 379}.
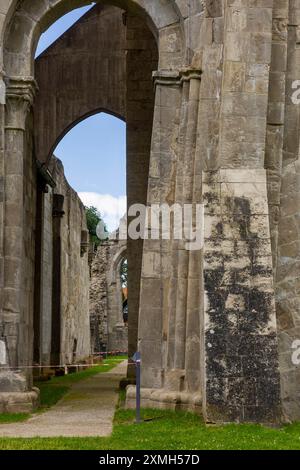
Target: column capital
{"x": 189, "y": 73}
{"x": 166, "y": 77}
{"x": 176, "y": 77}
{"x": 20, "y": 94}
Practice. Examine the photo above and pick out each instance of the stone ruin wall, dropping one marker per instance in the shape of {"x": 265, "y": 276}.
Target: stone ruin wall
{"x": 98, "y": 300}
{"x": 225, "y": 131}
{"x": 75, "y": 323}
{"x": 74, "y": 277}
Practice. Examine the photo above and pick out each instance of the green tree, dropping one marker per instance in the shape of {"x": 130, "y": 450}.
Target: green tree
{"x": 93, "y": 217}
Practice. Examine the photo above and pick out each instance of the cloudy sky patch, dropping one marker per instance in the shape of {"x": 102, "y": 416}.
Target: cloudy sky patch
{"x": 111, "y": 208}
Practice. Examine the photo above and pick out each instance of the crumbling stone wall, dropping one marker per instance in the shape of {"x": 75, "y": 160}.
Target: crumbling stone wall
{"x": 74, "y": 287}
{"x": 108, "y": 331}
{"x": 98, "y": 300}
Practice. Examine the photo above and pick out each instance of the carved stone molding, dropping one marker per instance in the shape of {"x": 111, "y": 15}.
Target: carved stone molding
{"x": 190, "y": 74}
{"x": 175, "y": 77}
{"x": 167, "y": 78}
{"x": 280, "y": 32}
{"x": 19, "y": 99}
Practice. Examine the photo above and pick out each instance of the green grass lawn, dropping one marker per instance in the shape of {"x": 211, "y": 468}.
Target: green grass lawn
{"x": 53, "y": 390}
{"x": 161, "y": 430}
{"x": 169, "y": 430}
{"x": 13, "y": 418}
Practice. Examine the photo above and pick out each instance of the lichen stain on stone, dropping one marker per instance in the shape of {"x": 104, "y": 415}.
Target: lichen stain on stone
{"x": 238, "y": 342}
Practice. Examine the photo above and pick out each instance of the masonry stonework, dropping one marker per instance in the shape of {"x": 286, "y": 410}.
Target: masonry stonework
{"x": 205, "y": 88}
{"x": 74, "y": 318}
{"x": 109, "y": 332}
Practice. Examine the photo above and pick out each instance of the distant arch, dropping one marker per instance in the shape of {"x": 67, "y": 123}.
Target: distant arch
{"x": 116, "y": 264}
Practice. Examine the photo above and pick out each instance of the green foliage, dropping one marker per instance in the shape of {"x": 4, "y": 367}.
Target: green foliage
{"x": 93, "y": 217}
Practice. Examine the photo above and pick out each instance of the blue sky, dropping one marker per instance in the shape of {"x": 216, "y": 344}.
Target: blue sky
{"x": 94, "y": 151}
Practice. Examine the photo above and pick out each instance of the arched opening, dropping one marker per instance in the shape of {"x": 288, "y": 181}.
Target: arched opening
{"x": 101, "y": 66}
{"x": 190, "y": 303}
{"x": 75, "y": 79}
{"x": 88, "y": 168}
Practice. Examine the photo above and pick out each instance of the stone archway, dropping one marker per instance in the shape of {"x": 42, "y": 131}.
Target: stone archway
{"x": 21, "y": 91}
{"x": 30, "y": 20}
{"x": 208, "y": 337}
{"x": 118, "y": 328}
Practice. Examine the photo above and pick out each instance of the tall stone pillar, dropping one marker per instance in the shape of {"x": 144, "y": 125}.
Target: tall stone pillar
{"x": 2, "y": 140}
{"x": 157, "y": 261}
{"x": 241, "y": 374}
{"x": 169, "y": 326}
{"x": 288, "y": 248}
{"x": 15, "y": 382}
{"x": 182, "y": 373}
{"x": 241, "y": 379}
{"x": 141, "y": 60}
{"x": 58, "y": 213}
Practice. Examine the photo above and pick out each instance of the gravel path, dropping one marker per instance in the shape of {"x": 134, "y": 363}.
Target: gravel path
{"x": 87, "y": 410}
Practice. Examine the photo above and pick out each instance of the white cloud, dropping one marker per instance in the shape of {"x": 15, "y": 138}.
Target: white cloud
{"x": 111, "y": 208}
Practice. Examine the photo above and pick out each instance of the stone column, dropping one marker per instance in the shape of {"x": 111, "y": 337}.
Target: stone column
{"x": 183, "y": 324}
{"x": 2, "y": 140}
{"x": 194, "y": 304}
{"x": 193, "y": 80}
{"x": 15, "y": 383}
{"x": 169, "y": 328}
{"x": 241, "y": 381}
{"x": 276, "y": 116}
{"x": 58, "y": 213}
{"x": 241, "y": 376}
{"x": 177, "y": 244}
{"x": 141, "y": 60}
{"x": 157, "y": 259}
{"x": 288, "y": 259}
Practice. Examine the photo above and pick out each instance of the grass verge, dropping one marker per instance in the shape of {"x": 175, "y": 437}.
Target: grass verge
{"x": 55, "y": 389}
{"x": 161, "y": 429}
{"x": 168, "y": 430}
{"x": 6, "y": 418}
